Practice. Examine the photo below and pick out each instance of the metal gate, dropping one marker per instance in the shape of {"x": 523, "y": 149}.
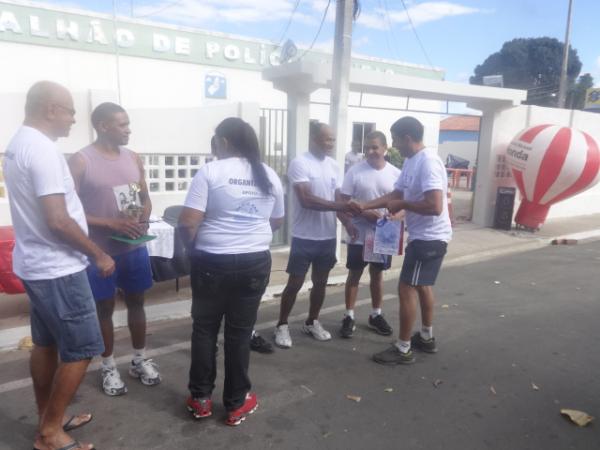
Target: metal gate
{"x": 273, "y": 144}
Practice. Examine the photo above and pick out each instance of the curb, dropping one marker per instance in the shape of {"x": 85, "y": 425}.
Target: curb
{"x": 9, "y": 338}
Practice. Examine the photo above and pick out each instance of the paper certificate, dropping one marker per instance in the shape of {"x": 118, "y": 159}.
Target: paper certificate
{"x": 368, "y": 254}
{"x": 388, "y": 237}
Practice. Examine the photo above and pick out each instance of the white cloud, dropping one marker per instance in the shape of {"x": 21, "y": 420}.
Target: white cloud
{"x": 194, "y": 12}
{"x": 376, "y": 20}
{"x": 323, "y": 46}
{"x": 419, "y": 13}
{"x": 327, "y": 45}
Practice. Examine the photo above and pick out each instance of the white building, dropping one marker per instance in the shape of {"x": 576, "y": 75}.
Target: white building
{"x": 176, "y": 83}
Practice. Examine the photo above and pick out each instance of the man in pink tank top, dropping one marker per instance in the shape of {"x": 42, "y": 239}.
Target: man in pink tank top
{"x": 109, "y": 179}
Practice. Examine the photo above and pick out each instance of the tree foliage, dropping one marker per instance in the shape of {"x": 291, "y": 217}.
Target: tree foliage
{"x": 532, "y": 64}
{"x": 576, "y": 97}
{"x": 394, "y": 157}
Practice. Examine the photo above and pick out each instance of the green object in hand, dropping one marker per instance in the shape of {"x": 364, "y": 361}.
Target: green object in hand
{"x": 140, "y": 240}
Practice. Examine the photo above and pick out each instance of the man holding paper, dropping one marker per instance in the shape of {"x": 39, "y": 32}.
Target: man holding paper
{"x": 109, "y": 179}
{"x": 421, "y": 192}
{"x": 365, "y": 181}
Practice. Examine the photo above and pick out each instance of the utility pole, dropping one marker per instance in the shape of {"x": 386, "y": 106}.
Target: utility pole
{"x": 340, "y": 76}
{"x": 340, "y": 84}
{"x": 562, "y": 88}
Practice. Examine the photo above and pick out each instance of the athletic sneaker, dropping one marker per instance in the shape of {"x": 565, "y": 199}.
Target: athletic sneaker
{"x": 146, "y": 371}
{"x": 317, "y": 331}
{"x": 111, "y": 382}
{"x": 392, "y": 356}
{"x": 425, "y": 345}
{"x": 380, "y": 325}
{"x": 348, "y": 327}
{"x": 199, "y": 407}
{"x": 237, "y": 416}
{"x": 282, "y": 336}
{"x": 260, "y": 345}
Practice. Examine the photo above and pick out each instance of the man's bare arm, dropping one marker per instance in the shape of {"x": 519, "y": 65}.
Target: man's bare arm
{"x": 310, "y": 201}
{"x": 68, "y": 231}
{"x": 431, "y": 205}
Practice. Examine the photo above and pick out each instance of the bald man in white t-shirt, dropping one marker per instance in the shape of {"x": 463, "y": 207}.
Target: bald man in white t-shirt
{"x": 315, "y": 178}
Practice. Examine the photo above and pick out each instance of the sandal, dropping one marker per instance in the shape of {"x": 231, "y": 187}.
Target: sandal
{"x": 70, "y": 426}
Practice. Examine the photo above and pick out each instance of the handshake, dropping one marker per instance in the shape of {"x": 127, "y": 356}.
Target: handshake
{"x": 353, "y": 208}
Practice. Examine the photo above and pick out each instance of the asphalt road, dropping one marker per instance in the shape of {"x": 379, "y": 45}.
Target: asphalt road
{"x": 504, "y": 327}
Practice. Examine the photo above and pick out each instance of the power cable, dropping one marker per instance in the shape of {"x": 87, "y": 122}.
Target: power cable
{"x": 289, "y": 23}
{"x": 416, "y": 34}
{"x": 389, "y": 32}
{"x": 318, "y": 31}
{"x": 158, "y": 11}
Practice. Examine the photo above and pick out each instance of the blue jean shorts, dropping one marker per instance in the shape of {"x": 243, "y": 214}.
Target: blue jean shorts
{"x": 63, "y": 314}
{"x": 132, "y": 274}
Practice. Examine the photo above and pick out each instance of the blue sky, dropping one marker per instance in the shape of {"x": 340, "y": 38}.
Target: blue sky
{"x": 456, "y": 34}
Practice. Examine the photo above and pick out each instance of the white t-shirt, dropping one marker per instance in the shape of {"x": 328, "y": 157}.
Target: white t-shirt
{"x": 324, "y": 178}
{"x": 424, "y": 172}
{"x": 237, "y": 213}
{"x": 364, "y": 183}
{"x": 34, "y": 167}
{"x": 351, "y": 159}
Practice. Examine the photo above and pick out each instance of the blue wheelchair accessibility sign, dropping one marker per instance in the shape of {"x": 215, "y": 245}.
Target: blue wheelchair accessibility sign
{"x": 215, "y": 85}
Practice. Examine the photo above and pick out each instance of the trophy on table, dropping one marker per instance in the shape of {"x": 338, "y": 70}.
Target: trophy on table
{"x": 130, "y": 206}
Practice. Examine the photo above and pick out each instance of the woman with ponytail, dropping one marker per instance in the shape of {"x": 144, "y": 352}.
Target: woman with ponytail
{"x": 230, "y": 212}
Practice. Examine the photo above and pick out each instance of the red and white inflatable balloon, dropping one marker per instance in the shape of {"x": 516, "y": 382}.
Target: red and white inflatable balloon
{"x": 551, "y": 163}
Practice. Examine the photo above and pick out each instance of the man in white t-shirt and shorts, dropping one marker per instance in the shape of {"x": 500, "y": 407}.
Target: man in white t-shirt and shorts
{"x": 315, "y": 179}
{"x": 50, "y": 256}
{"x": 367, "y": 180}
{"x": 421, "y": 192}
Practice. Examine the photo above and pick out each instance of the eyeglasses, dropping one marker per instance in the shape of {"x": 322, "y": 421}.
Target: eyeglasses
{"x": 71, "y": 111}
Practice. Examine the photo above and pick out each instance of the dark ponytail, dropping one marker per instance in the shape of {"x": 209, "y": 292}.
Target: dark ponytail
{"x": 242, "y": 138}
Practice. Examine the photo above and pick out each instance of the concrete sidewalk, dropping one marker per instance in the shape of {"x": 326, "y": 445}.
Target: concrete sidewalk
{"x": 469, "y": 244}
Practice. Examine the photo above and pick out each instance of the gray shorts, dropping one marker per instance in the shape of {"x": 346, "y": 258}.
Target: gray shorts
{"x": 63, "y": 314}
{"x": 422, "y": 262}
{"x": 304, "y": 252}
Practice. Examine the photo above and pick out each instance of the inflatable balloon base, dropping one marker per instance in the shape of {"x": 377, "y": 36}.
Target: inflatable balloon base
{"x": 531, "y": 216}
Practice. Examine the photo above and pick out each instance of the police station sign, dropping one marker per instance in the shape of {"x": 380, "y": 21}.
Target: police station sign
{"x": 100, "y": 33}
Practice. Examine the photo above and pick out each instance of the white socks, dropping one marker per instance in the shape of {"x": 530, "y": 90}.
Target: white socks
{"x": 350, "y": 313}
{"x": 403, "y": 346}
{"x": 139, "y": 354}
{"x": 426, "y": 333}
{"x": 376, "y": 312}
{"x": 109, "y": 362}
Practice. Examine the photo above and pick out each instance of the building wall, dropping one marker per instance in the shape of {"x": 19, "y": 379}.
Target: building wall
{"x": 458, "y": 136}
{"x": 464, "y": 149}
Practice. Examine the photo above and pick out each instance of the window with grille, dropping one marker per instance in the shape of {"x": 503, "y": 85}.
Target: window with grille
{"x": 171, "y": 173}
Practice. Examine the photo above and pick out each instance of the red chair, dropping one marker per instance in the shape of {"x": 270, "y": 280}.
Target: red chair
{"x": 9, "y": 282}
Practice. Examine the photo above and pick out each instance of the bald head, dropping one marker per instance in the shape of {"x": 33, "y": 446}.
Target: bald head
{"x": 49, "y": 107}
{"x": 42, "y": 95}
{"x": 322, "y": 139}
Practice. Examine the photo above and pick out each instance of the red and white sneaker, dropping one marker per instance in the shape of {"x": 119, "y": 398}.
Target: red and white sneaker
{"x": 237, "y": 416}
{"x": 199, "y": 407}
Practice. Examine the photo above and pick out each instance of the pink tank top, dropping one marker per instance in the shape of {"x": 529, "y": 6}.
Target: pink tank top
{"x": 104, "y": 181}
